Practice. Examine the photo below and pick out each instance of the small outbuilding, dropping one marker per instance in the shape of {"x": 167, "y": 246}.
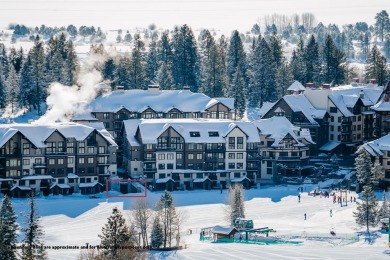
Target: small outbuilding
{"x": 60, "y": 189}
{"x": 21, "y": 191}
{"x": 220, "y": 232}
{"x": 90, "y": 188}
{"x": 202, "y": 183}
{"x": 165, "y": 184}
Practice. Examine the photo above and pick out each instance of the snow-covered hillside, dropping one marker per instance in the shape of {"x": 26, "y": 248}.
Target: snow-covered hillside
{"x": 77, "y": 220}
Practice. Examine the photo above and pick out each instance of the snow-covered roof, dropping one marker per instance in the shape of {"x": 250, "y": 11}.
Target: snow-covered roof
{"x": 223, "y": 230}
{"x": 378, "y": 146}
{"x": 89, "y": 184}
{"x": 265, "y": 108}
{"x": 239, "y": 179}
{"x": 201, "y": 179}
{"x": 345, "y": 97}
{"x": 296, "y": 86}
{"x": 284, "y": 127}
{"x": 99, "y": 126}
{"x": 164, "y": 180}
{"x": 300, "y": 103}
{"x": 151, "y": 129}
{"x": 72, "y": 176}
{"x": 21, "y": 187}
{"x": 38, "y": 134}
{"x": 38, "y": 177}
{"x": 60, "y": 185}
{"x": 329, "y": 146}
{"x": 161, "y": 101}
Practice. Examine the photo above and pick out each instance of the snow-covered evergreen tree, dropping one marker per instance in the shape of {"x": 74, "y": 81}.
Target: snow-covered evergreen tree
{"x": 376, "y": 67}
{"x": 235, "y": 57}
{"x": 236, "y": 207}
{"x": 26, "y": 85}
{"x": 115, "y": 240}
{"x": 156, "y": 237}
{"x": 137, "y": 69}
{"x": 185, "y": 66}
{"x": 366, "y": 213}
{"x": 152, "y": 62}
{"x": 109, "y": 69}
{"x": 238, "y": 93}
{"x": 32, "y": 244}
{"x": 2, "y": 93}
{"x": 164, "y": 77}
{"x": 122, "y": 72}
{"x": 312, "y": 62}
{"x": 8, "y": 230}
{"x": 384, "y": 211}
{"x": 382, "y": 24}
{"x": 298, "y": 64}
{"x": 12, "y": 88}
{"x": 168, "y": 217}
{"x": 333, "y": 63}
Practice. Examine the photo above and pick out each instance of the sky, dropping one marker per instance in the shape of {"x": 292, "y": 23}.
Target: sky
{"x": 225, "y": 15}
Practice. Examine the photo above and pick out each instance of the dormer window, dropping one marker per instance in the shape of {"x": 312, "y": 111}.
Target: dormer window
{"x": 194, "y": 134}
{"x": 213, "y": 133}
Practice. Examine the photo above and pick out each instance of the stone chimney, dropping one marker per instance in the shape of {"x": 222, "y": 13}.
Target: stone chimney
{"x": 154, "y": 88}
{"x": 310, "y": 85}
{"x": 327, "y": 86}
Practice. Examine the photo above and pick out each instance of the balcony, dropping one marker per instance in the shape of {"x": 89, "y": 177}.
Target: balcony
{"x": 161, "y": 148}
{"x": 289, "y": 158}
{"x": 39, "y": 165}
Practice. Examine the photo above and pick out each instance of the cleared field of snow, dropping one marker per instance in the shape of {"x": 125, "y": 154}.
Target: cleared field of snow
{"x": 77, "y": 220}
{"x": 218, "y": 14}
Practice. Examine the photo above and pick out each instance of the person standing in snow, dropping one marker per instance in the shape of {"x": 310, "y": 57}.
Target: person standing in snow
{"x": 305, "y": 216}
{"x": 331, "y": 213}
{"x": 299, "y": 197}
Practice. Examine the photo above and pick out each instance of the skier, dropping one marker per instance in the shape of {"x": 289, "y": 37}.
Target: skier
{"x": 299, "y": 197}
{"x": 330, "y": 211}
{"x": 305, "y": 216}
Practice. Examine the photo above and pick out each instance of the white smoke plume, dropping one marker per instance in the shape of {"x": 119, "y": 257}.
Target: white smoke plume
{"x": 64, "y": 101}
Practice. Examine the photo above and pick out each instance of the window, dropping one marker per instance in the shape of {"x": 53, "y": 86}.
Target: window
{"x": 199, "y": 156}
{"x": 26, "y": 148}
{"x": 179, "y": 166}
{"x": 60, "y": 161}
{"x": 90, "y": 159}
{"x": 90, "y": 150}
{"x": 199, "y": 146}
{"x": 213, "y": 114}
{"x": 232, "y": 165}
{"x": 190, "y": 166}
{"x": 333, "y": 109}
{"x": 332, "y": 119}
{"x": 331, "y": 137}
{"x": 179, "y": 156}
{"x": 194, "y": 134}
{"x": 102, "y": 149}
{"x": 221, "y": 115}
{"x": 70, "y": 160}
{"x": 240, "y": 165}
{"x": 38, "y": 151}
{"x": 170, "y": 156}
{"x": 240, "y": 156}
{"x": 232, "y": 142}
{"x": 50, "y": 147}
{"x": 81, "y": 147}
{"x": 38, "y": 161}
{"x": 170, "y": 166}
{"x": 191, "y": 146}
{"x": 213, "y": 134}
{"x": 61, "y": 147}
{"x": 90, "y": 170}
{"x": 81, "y": 160}
{"x": 190, "y": 156}
{"x": 359, "y": 118}
{"x": 231, "y": 156}
{"x": 52, "y": 161}
{"x": 106, "y": 116}
{"x": 339, "y": 119}
{"x": 222, "y": 175}
{"x": 70, "y": 147}
{"x": 149, "y": 146}
{"x": 221, "y": 155}
{"x": 102, "y": 159}
{"x": 331, "y": 128}
{"x": 26, "y": 161}
{"x": 240, "y": 142}
{"x": 161, "y": 156}
{"x": 106, "y": 125}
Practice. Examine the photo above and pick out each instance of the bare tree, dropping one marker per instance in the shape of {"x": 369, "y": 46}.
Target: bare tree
{"x": 141, "y": 214}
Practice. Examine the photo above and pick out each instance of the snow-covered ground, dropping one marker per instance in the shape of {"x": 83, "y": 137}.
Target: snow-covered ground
{"x": 77, "y": 220}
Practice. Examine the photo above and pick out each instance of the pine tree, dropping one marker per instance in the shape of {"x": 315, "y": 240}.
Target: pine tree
{"x": 137, "y": 69}
{"x": 333, "y": 63}
{"x": 3, "y": 61}
{"x": 32, "y": 244}
{"x": 298, "y": 65}
{"x": 376, "y": 67}
{"x": 156, "y": 237}
{"x": 12, "y": 88}
{"x": 185, "y": 66}
{"x": 8, "y": 229}
{"x": 312, "y": 61}
{"x": 2, "y": 93}
{"x": 151, "y": 62}
{"x": 116, "y": 240}
{"x": 122, "y": 72}
{"x": 367, "y": 211}
{"x": 141, "y": 214}
{"x": 236, "y": 208}
{"x": 212, "y": 69}
{"x": 386, "y": 47}
{"x": 26, "y": 85}
{"x": 238, "y": 93}
{"x": 384, "y": 211}
{"x": 71, "y": 64}
{"x": 382, "y": 24}
{"x": 108, "y": 71}
{"x": 16, "y": 58}
{"x": 235, "y": 57}
{"x": 164, "y": 77}
{"x": 167, "y": 214}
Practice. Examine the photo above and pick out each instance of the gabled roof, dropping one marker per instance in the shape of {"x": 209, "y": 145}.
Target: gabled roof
{"x": 296, "y": 86}
{"x": 223, "y": 230}
{"x": 151, "y": 129}
{"x": 265, "y": 108}
{"x": 89, "y": 184}
{"x": 378, "y": 146}
{"x": 162, "y": 101}
{"x": 300, "y": 103}
{"x": 38, "y": 177}
{"x": 284, "y": 127}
